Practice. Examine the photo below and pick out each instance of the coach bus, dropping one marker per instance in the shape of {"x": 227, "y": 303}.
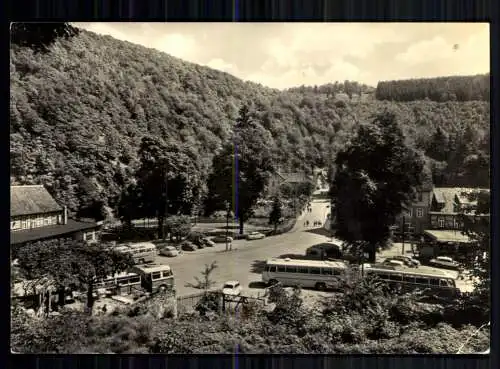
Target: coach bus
{"x": 155, "y": 277}
{"x": 319, "y": 274}
{"x": 432, "y": 282}
{"x": 120, "y": 283}
{"x": 142, "y": 253}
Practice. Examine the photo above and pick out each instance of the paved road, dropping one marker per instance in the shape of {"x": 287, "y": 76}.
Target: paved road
{"x": 245, "y": 261}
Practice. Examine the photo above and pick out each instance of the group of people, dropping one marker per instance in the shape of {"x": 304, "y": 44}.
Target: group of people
{"x": 315, "y": 223}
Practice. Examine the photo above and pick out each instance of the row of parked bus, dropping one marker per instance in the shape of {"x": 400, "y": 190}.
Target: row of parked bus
{"x": 150, "y": 278}
{"x": 141, "y": 252}
{"x": 323, "y": 274}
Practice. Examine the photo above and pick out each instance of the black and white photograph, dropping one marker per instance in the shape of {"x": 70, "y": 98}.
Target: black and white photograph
{"x": 250, "y": 188}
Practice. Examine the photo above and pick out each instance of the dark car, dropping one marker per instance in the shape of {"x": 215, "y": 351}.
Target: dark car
{"x": 188, "y": 246}
{"x": 199, "y": 243}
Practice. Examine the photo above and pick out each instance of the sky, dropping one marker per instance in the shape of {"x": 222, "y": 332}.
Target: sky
{"x": 283, "y": 55}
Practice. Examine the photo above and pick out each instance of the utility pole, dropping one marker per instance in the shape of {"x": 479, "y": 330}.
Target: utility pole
{"x": 403, "y": 235}
{"x": 227, "y": 225}
{"x": 165, "y": 215}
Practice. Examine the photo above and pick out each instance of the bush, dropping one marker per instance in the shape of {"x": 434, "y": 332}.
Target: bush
{"x": 63, "y": 333}
{"x": 210, "y": 302}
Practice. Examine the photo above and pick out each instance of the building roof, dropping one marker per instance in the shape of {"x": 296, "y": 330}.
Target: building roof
{"x": 26, "y": 200}
{"x": 447, "y": 236}
{"x": 446, "y": 196}
{"x": 42, "y": 233}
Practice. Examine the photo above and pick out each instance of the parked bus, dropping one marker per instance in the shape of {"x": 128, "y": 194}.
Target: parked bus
{"x": 155, "y": 277}
{"x": 319, "y": 274}
{"x": 142, "y": 253}
{"x": 119, "y": 284}
{"x": 434, "y": 283}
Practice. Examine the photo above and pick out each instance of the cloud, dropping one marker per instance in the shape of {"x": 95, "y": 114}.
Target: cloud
{"x": 177, "y": 45}
{"x": 423, "y": 51}
{"x": 471, "y": 56}
{"x": 306, "y": 75}
{"x": 221, "y": 65}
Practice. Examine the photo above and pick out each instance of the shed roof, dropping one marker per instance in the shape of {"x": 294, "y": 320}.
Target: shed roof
{"x": 42, "y": 233}
{"x": 447, "y": 236}
{"x": 446, "y": 196}
{"x": 27, "y": 200}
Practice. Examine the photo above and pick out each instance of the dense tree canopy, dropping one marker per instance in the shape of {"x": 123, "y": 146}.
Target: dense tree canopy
{"x": 463, "y": 88}
{"x": 241, "y": 170}
{"x": 168, "y": 181}
{"x": 375, "y": 175}
{"x": 79, "y": 111}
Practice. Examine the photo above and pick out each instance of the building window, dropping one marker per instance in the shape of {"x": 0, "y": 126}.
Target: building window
{"x": 420, "y": 212}
{"x": 15, "y": 225}
{"x": 24, "y": 223}
{"x": 455, "y": 224}
{"x": 441, "y": 223}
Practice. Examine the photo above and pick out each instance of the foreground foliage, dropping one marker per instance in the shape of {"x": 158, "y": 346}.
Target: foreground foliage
{"x": 366, "y": 319}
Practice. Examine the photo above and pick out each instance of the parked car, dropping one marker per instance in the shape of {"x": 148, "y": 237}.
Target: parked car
{"x": 207, "y": 242}
{"x": 222, "y": 239}
{"x": 445, "y": 262}
{"x": 255, "y": 236}
{"x": 408, "y": 261}
{"x": 188, "y": 246}
{"x": 170, "y": 251}
{"x": 232, "y": 288}
{"x": 394, "y": 263}
{"x": 198, "y": 243}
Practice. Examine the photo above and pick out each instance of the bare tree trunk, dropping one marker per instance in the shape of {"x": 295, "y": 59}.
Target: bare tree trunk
{"x": 241, "y": 225}
{"x": 90, "y": 297}
{"x": 61, "y": 295}
{"x": 161, "y": 222}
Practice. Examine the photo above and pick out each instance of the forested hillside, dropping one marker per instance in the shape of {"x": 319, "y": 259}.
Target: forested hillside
{"x": 79, "y": 109}
{"x": 463, "y": 88}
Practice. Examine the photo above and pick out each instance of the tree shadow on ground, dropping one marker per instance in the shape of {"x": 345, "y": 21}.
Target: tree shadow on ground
{"x": 320, "y": 231}
{"x": 258, "y": 266}
{"x": 257, "y": 285}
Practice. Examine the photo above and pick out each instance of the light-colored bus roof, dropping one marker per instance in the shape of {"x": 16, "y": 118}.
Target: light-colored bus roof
{"x": 141, "y": 244}
{"x": 304, "y": 262}
{"x": 413, "y": 271}
{"x": 150, "y": 268}
{"x": 121, "y": 275}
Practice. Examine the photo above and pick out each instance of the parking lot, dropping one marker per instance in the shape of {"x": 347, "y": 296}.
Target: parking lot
{"x": 246, "y": 259}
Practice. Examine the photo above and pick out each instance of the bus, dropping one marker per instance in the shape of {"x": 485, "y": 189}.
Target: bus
{"x": 432, "y": 282}
{"x": 319, "y": 274}
{"x": 119, "y": 284}
{"x": 142, "y": 252}
{"x": 155, "y": 277}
